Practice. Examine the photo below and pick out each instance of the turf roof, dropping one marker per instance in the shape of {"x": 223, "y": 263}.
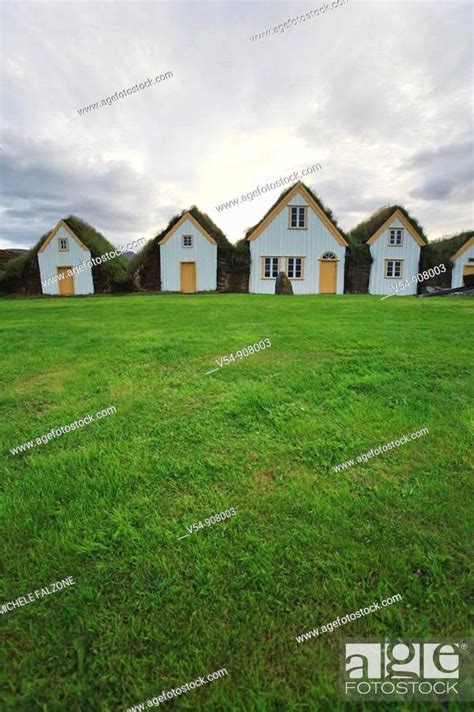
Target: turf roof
{"x": 203, "y": 219}
{"x": 364, "y": 230}
{"x": 283, "y": 195}
{"x": 448, "y": 246}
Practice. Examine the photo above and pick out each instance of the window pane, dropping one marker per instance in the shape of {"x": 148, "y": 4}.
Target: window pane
{"x": 297, "y": 216}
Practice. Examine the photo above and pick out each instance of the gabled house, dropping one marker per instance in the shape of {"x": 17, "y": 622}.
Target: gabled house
{"x": 59, "y": 253}
{"x": 71, "y": 259}
{"x": 76, "y": 259}
{"x": 395, "y": 249}
{"x": 463, "y": 261}
{"x": 393, "y": 240}
{"x": 300, "y": 237}
{"x": 189, "y": 255}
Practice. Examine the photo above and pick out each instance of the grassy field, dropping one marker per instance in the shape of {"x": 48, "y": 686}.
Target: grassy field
{"x": 107, "y": 503}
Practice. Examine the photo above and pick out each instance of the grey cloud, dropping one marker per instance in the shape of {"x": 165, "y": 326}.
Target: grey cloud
{"x": 444, "y": 172}
{"x": 41, "y": 184}
{"x": 450, "y": 152}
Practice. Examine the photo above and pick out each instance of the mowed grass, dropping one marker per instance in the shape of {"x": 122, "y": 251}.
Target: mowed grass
{"x": 107, "y": 503}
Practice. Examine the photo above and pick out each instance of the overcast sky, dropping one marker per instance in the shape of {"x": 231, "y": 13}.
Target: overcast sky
{"x": 379, "y": 94}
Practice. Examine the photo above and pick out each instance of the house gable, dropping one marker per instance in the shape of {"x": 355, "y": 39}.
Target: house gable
{"x": 463, "y": 249}
{"x": 181, "y": 221}
{"x": 62, "y": 224}
{"x": 397, "y": 215}
{"x": 298, "y": 189}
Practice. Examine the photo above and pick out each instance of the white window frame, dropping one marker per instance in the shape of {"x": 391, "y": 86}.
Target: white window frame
{"x": 298, "y": 214}
{"x": 294, "y": 270}
{"x": 272, "y": 266}
{"x": 393, "y": 276}
{"x": 393, "y": 237}
{"x": 64, "y": 240}
{"x": 183, "y": 241}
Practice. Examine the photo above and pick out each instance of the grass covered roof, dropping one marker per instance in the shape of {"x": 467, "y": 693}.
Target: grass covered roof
{"x": 282, "y": 197}
{"x": 367, "y": 228}
{"x": 115, "y": 268}
{"x": 203, "y": 219}
{"x": 448, "y": 246}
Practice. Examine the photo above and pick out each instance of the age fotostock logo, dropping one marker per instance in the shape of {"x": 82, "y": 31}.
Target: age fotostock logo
{"x": 407, "y": 670}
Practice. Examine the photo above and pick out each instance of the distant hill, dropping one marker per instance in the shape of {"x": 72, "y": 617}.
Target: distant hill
{"x": 128, "y": 255}
{"x": 10, "y": 254}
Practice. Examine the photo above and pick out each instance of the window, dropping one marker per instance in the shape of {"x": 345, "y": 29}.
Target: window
{"x": 395, "y": 236}
{"x": 295, "y": 267}
{"x": 63, "y": 244}
{"x": 329, "y": 256}
{"x": 393, "y": 268}
{"x": 297, "y": 217}
{"x": 271, "y": 267}
{"x": 187, "y": 240}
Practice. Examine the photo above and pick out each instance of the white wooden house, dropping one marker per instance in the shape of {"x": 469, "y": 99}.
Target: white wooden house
{"x": 60, "y": 252}
{"x": 463, "y": 261}
{"x": 395, "y": 249}
{"x": 299, "y": 238}
{"x": 188, "y": 257}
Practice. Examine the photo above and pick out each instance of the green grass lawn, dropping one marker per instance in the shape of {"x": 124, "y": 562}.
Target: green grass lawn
{"x": 107, "y": 503}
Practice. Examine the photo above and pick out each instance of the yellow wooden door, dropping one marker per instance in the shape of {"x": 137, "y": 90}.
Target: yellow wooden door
{"x": 327, "y": 276}
{"x": 188, "y": 277}
{"x": 66, "y": 284}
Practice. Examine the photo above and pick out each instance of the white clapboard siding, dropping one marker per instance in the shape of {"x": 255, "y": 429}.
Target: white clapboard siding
{"x": 277, "y": 240}
{"x": 203, "y": 253}
{"x": 408, "y": 252}
{"x": 467, "y": 257}
{"x": 51, "y": 258}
